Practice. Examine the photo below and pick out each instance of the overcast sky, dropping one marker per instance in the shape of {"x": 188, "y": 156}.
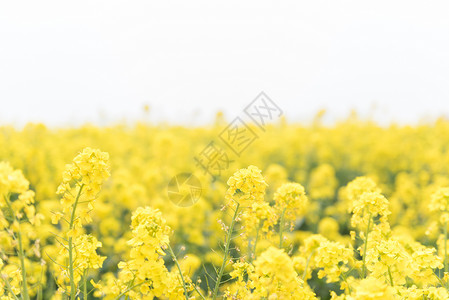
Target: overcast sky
{"x": 67, "y": 62}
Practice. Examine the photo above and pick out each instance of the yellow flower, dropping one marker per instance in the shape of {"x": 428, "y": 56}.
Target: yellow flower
{"x": 367, "y": 206}
{"x": 291, "y": 200}
{"x": 145, "y": 268}
{"x": 322, "y": 183}
{"x": 12, "y": 181}
{"x": 372, "y": 289}
{"x": 439, "y": 202}
{"x": 246, "y": 186}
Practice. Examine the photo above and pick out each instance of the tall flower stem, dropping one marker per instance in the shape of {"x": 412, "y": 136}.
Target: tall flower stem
{"x": 25, "y": 295}
{"x": 71, "y": 269}
{"x": 22, "y": 265}
{"x": 345, "y": 279}
{"x": 366, "y": 246}
{"x": 130, "y": 289}
{"x": 199, "y": 292}
{"x": 281, "y": 229}
{"x": 8, "y": 286}
{"x": 390, "y": 276}
{"x": 252, "y": 255}
{"x": 445, "y": 248}
{"x": 85, "y": 284}
{"x": 179, "y": 269}
{"x": 304, "y": 276}
{"x": 225, "y": 257}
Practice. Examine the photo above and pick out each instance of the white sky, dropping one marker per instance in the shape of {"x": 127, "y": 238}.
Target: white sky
{"x": 67, "y": 62}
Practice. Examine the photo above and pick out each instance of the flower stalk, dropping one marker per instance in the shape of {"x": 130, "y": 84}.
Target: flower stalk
{"x": 183, "y": 282}
{"x": 365, "y": 247}
{"x": 281, "y": 228}
{"x": 70, "y": 244}
{"x": 226, "y": 253}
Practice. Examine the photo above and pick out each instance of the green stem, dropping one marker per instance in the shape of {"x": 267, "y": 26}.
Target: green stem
{"x": 131, "y": 284}
{"x": 281, "y": 228}
{"x": 71, "y": 270}
{"x": 441, "y": 281}
{"x": 366, "y": 246}
{"x": 307, "y": 266}
{"x": 25, "y": 295}
{"x": 85, "y": 285}
{"x": 445, "y": 248}
{"x": 199, "y": 292}
{"x": 129, "y": 289}
{"x": 391, "y": 277}
{"x": 225, "y": 257}
{"x": 180, "y": 272}
{"x": 39, "y": 289}
{"x": 345, "y": 279}
{"x": 8, "y": 287}
{"x": 22, "y": 264}
{"x": 253, "y": 253}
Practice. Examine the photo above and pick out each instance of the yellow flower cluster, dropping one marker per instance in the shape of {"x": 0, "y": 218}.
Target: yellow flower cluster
{"x": 85, "y": 177}
{"x": 439, "y": 202}
{"x": 349, "y": 211}
{"x": 246, "y": 186}
{"x": 145, "y": 275}
{"x": 20, "y": 256}
{"x": 77, "y": 253}
{"x": 291, "y": 201}
{"x": 272, "y": 276}
{"x": 331, "y": 258}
